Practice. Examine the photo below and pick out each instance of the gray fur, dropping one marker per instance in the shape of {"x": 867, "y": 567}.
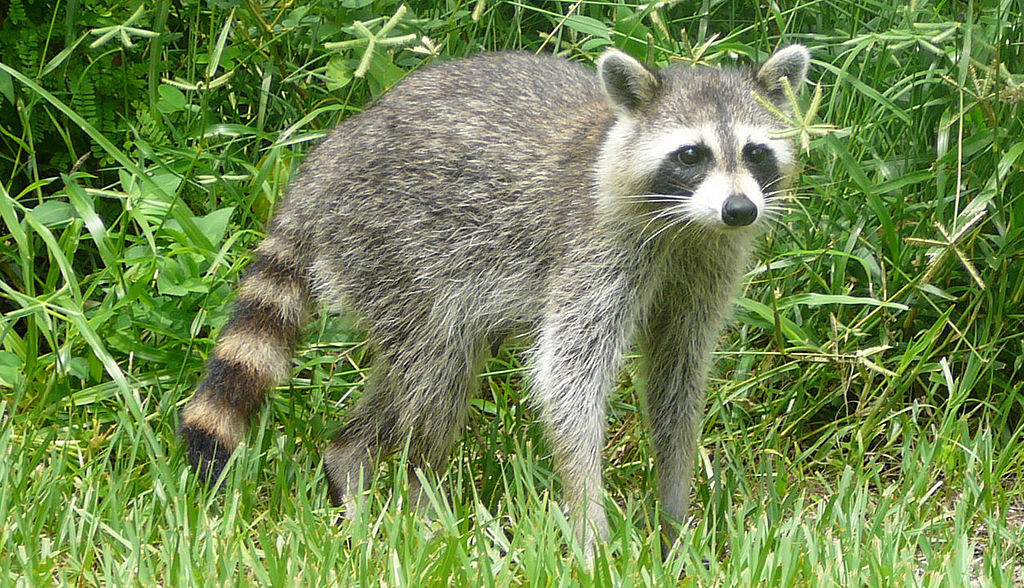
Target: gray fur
{"x": 511, "y": 193}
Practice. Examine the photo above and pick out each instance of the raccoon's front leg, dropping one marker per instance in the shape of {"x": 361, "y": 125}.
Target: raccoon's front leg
{"x": 676, "y": 356}
{"x": 576, "y": 359}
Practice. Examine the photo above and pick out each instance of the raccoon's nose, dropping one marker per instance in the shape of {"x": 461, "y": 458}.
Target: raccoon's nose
{"x": 738, "y": 211}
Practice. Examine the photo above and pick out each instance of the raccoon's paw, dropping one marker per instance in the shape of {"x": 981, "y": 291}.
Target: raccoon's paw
{"x": 346, "y": 464}
{"x": 211, "y": 435}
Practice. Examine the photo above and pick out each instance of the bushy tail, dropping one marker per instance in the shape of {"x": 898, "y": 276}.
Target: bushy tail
{"x": 253, "y": 354}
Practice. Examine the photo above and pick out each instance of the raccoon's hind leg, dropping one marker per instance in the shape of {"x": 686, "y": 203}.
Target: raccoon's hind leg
{"x": 253, "y": 354}
{"x": 420, "y": 397}
{"x": 351, "y": 458}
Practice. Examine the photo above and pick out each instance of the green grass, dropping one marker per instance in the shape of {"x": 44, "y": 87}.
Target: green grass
{"x": 864, "y": 426}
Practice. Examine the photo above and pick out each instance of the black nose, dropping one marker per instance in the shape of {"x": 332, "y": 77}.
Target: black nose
{"x": 738, "y": 211}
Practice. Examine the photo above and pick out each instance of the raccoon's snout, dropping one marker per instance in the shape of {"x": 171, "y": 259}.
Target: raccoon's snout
{"x": 738, "y": 211}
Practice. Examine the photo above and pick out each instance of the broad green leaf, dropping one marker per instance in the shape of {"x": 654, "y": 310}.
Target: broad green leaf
{"x": 53, "y": 213}
{"x": 214, "y": 225}
{"x": 11, "y": 368}
{"x": 171, "y": 99}
{"x": 587, "y": 26}
{"x": 338, "y": 73}
{"x": 6, "y": 86}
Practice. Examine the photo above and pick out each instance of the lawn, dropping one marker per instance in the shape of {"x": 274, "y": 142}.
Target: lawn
{"x": 864, "y": 420}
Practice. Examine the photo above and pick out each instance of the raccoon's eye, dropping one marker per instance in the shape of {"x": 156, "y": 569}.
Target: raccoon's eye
{"x": 690, "y": 155}
{"x": 756, "y": 154}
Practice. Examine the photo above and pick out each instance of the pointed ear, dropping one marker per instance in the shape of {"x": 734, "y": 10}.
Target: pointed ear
{"x": 628, "y": 84}
{"x": 790, "y": 64}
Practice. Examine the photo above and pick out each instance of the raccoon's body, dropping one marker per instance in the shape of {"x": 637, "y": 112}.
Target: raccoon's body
{"x": 512, "y": 193}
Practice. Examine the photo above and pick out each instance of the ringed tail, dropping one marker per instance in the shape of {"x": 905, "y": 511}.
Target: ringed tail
{"x": 253, "y": 354}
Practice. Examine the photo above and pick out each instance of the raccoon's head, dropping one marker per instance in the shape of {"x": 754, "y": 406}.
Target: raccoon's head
{"x": 695, "y": 146}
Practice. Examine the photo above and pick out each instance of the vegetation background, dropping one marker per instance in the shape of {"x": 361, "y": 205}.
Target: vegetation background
{"x": 865, "y": 424}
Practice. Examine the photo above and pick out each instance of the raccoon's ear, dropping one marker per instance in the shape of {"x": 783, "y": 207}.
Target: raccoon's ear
{"x": 628, "y": 84}
{"x": 790, "y": 64}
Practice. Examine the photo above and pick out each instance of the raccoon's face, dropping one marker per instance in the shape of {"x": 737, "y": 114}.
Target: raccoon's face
{"x": 695, "y": 146}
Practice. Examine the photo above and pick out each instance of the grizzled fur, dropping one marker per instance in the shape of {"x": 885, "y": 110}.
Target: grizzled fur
{"x": 511, "y": 193}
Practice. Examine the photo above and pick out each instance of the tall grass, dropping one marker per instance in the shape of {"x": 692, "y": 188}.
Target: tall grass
{"x": 865, "y": 423}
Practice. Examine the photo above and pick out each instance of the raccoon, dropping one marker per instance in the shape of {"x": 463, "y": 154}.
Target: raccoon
{"x": 506, "y": 194}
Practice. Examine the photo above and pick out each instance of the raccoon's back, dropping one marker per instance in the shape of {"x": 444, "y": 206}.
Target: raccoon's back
{"x": 463, "y": 138}
{"x": 473, "y": 168}
{"x": 510, "y": 111}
